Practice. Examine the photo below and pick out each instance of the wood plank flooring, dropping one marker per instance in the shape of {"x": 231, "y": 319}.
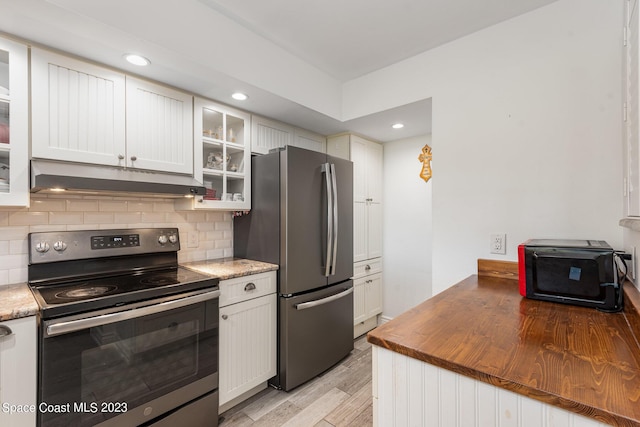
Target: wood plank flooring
{"x": 339, "y": 397}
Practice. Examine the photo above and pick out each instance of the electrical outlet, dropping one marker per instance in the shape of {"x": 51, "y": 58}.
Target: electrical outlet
{"x": 498, "y": 244}
{"x": 192, "y": 239}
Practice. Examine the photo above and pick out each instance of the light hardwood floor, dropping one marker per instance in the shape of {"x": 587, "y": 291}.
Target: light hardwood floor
{"x": 339, "y": 397}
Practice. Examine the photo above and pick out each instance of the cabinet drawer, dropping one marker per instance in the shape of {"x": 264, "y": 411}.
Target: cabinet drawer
{"x": 247, "y": 287}
{"x": 364, "y": 268}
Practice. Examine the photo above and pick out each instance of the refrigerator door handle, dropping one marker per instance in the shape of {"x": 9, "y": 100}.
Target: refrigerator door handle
{"x": 326, "y": 169}
{"x": 335, "y": 219}
{"x": 310, "y": 304}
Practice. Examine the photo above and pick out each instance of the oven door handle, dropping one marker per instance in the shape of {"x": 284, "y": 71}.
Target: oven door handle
{"x": 91, "y": 322}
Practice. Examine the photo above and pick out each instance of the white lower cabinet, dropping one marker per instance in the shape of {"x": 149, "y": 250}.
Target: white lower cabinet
{"x": 247, "y": 336}
{"x": 18, "y": 372}
{"x": 367, "y": 295}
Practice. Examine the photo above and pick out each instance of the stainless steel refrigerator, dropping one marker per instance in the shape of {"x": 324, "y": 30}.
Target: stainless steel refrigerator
{"x": 301, "y": 218}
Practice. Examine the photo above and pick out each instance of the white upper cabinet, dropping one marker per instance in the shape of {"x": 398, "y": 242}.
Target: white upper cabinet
{"x": 159, "y": 127}
{"x": 78, "y": 113}
{"x": 14, "y": 124}
{"x": 222, "y": 157}
{"x": 311, "y": 141}
{"x": 268, "y": 134}
{"x": 91, "y": 114}
{"x": 367, "y": 165}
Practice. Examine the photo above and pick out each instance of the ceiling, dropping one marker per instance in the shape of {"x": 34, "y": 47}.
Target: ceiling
{"x": 274, "y": 51}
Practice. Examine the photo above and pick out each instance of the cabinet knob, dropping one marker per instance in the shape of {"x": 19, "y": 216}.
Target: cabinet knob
{"x": 225, "y": 317}
{"x": 367, "y": 267}
{"x": 134, "y": 158}
{"x": 250, "y": 287}
{"x": 120, "y": 157}
{"x": 5, "y": 331}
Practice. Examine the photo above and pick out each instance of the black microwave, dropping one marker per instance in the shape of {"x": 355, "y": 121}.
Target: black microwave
{"x": 578, "y": 272}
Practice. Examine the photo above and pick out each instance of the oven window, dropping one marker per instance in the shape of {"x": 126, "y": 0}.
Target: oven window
{"x": 95, "y": 374}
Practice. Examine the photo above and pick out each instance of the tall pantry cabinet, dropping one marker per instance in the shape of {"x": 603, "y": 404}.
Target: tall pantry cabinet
{"x": 367, "y": 225}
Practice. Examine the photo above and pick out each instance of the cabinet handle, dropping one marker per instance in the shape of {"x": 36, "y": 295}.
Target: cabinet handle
{"x": 367, "y": 267}
{"x": 225, "y": 317}
{"x": 250, "y": 287}
{"x": 120, "y": 157}
{"x": 134, "y": 158}
{"x": 5, "y": 331}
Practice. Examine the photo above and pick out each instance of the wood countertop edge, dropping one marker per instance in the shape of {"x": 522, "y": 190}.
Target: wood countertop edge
{"x": 580, "y": 408}
{"x": 508, "y": 270}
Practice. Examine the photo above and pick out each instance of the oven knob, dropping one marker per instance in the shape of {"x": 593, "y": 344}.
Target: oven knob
{"x": 60, "y": 246}
{"x": 173, "y": 238}
{"x": 162, "y": 239}
{"x": 42, "y": 247}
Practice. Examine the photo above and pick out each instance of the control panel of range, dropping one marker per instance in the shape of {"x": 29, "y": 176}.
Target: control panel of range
{"x": 107, "y": 242}
{"x": 83, "y": 244}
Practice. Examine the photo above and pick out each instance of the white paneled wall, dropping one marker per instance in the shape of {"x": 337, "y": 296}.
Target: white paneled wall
{"x": 408, "y": 392}
{"x": 55, "y": 213}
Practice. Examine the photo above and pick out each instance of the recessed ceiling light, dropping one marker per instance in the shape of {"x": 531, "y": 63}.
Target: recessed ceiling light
{"x": 397, "y": 126}
{"x": 239, "y": 96}
{"x": 137, "y": 59}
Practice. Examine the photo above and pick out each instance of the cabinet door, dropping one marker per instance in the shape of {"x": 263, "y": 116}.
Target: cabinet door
{"x": 374, "y": 230}
{"x": 159, "y": 128}
{"x": 359, "y": 159}
{"x": 80, "y": 110}
{"x": 374, "y": 171}
{"x": 247, "y": 346}
{"x": 359, "y": 300}
{"x": 309, "y": 140}
{"x": 14, "y": 124}
{"x": 268, "y": 134}
{"x": 222, "y": 156}
{"x": 360, "y": 231}
{"x": 18, "y": 370}
{"x": 373, "y": 295}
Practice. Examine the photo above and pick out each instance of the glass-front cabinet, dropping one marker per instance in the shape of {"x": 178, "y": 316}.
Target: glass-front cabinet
{"x": 222, "y": 155}
{"x": 14, "y": 167}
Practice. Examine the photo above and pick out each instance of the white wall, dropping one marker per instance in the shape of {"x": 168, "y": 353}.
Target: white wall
{"x": 526, "y": 130}
{"x": 407, "y": 227}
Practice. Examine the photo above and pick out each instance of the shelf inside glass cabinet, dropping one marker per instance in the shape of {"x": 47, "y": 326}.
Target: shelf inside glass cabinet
{"x": 4, "y": 170}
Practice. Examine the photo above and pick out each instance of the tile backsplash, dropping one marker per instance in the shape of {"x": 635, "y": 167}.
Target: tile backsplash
{"x": 214, "y": 229}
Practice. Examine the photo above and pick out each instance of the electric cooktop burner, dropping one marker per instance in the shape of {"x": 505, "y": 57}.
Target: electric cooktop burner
{"x": 84, "y": 295}
{"x": 88, "y": 292}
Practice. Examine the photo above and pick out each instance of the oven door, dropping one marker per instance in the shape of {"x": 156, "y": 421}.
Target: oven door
{"x": 130, "y": 366}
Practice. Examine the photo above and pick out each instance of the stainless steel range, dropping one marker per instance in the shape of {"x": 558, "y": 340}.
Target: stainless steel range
{"x": 127, "y": 337}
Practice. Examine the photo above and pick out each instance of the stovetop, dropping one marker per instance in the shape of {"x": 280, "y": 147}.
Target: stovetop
{"x": 79, "y": 271}
{"x": 93, "y": 294}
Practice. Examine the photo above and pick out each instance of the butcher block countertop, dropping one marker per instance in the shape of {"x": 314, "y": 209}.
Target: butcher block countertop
{"x": 576, "y": 358}
{"x": 228, "y": 268}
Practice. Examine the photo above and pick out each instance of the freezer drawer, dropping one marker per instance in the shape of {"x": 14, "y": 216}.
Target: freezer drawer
{"x": 315, "y": 333}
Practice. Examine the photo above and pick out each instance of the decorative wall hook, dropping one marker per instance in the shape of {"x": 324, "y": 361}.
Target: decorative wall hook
{"x": 425, "y": 157}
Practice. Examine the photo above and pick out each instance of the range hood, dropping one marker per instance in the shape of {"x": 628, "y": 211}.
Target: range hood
{"x": 47, "y": 175}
